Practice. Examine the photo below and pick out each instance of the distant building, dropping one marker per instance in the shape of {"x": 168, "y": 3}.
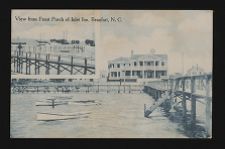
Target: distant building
{"x": 195, "y": 70}
{"x": 57, "y": 46}
{"x": 138, "y": 67}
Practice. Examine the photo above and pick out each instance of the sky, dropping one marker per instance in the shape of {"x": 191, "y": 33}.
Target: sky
{"x": 185, "y": 35}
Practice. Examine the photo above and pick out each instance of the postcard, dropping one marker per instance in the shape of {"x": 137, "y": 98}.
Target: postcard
{"x": 111, "y": 73}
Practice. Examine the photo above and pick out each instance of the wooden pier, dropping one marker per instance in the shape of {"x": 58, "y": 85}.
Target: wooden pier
{"x": 72, "y": 87}
{"x": 32, "y": 63}
{"x": 178, "y": 90}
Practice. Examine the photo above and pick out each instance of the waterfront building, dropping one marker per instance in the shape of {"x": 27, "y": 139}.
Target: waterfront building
{"x": 138, "y": 68}
{"x": 62, "y": 47}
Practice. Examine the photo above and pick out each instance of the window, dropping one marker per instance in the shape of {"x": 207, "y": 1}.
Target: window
{"x": 162, "y": 63}
{"x": 115, "y": 74}
{"x": 156, "y": 63}
{"x": 148, "y": 63}
{"x": 152, "y": 63}
{"x": 113, "y": 65}
{"x": 118, "y": 74}
{"x": 118, "y": 65}
{"x": 141, "y": 63}
{"x": 127, "y": 73}
{"x": 135, "y": 63}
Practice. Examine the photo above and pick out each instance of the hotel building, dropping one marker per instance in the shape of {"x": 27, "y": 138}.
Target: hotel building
{"x": 138, "y": 68}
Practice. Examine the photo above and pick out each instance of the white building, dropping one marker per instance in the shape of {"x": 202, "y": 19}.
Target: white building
{"x": 138, "y": 68}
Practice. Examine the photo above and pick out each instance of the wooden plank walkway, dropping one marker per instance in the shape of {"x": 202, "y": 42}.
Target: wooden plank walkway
{"x": 72, "y": 64}
{"x": 193, "y": 88}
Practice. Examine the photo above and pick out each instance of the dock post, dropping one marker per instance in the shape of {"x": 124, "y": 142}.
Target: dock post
{"x": 21, "y": 62}
{"x": 193, "y": 103}
{"x": 17, "y": 62}
{"x": 184, "y": 106}
{"x": 14, "y": 62}
{"x": 47, "y": 64}
{"x": 71, "y": 71}
{"x": 159, "y": 94}
{"x": 208, "y": 110}
{"x": 58, "y": 68}
{"x": 35, "y": 63}
{"x": 29, "y": 62}
{"x": 38, "y": 63}
{"x": 26, "y": 64}
{"x": 85, "y": 66}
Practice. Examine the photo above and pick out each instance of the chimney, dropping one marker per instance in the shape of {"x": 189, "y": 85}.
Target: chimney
{"x": 132, "y": 53}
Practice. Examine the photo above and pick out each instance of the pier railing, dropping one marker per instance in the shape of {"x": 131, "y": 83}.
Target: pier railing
{"x": 178, "y": 90}
{"x": 32, "y": 63}
{"x": 72, "y": 87}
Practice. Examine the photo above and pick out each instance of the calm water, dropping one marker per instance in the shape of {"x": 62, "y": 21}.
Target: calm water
{"x": 118, "y": 116}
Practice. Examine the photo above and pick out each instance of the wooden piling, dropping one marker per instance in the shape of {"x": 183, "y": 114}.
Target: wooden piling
{"x": 17, "y": 62}
{"x": 47, "y": 64}
{"x": 29, "y": 62}
{"x": 38, "y": 63}
{"x": 26, "y": 62}
{"x": 184, "y": 106}
{"x": 35, "y": 64}
{"x": 14, "y": 64}
{"x": 85, "y": 66}
{"x": 193, "y": 103}
{"x": 71, "y": 71}
{"x": 21, "y": 65}
{"x": 58, "y": 68}
{"x": 208, "y": 110}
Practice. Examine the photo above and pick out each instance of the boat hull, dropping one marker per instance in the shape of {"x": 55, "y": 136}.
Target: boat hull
{"x": 54, "y": 116}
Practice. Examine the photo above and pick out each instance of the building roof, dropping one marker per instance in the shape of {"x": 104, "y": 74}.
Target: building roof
{"x": 140, "y": 57}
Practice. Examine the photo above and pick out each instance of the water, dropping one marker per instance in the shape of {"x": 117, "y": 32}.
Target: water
{"x": 118, "y": 116}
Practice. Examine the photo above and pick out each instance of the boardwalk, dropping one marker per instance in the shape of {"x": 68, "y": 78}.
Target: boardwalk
{"x": 32, "y": 63}
{"x": 178, "y": 91}
{"x": 73, "y": 87}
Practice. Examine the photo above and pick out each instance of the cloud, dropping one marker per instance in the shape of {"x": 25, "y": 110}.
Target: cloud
{"x": 35, "y": 29}
{"x": 56, "y": 31}
{"x": 169, "y": 32}
{"x": 150, "y": 19}
{"x": 172, "y": 33}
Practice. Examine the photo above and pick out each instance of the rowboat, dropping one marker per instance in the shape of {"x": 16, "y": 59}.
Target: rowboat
{"x": 61, "y": 116}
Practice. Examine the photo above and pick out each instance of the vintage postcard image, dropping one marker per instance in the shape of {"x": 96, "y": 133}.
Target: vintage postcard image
{"x": 111, "y": 74}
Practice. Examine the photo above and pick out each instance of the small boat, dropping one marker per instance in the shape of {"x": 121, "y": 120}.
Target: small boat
{"x": 48, "y": 103}
{"x": 55, "y": 116}
{"x": 82, "y": 103}
{"x": 63, "y": 97}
